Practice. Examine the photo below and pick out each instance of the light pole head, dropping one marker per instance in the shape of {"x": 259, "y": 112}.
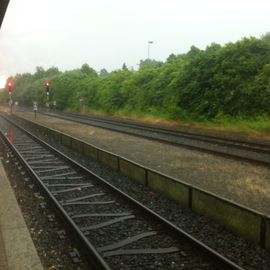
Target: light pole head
{"x": 149, "y": 42}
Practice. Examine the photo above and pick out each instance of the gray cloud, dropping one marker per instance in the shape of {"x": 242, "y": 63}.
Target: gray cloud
{"x": 106, "y": 33}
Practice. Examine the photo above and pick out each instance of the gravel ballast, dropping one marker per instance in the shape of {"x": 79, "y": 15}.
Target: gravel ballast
{"x": 53, "y": 251}
{"x": 239, "y": 181}
{"x": 237, "y": 249}
{"x": 168, "y": 261}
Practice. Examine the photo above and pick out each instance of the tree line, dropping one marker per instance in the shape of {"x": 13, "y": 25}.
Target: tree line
{"x": 220, "y": 81}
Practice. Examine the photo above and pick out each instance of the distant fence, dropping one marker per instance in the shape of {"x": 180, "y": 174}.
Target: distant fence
{"x": 239, "y": 219}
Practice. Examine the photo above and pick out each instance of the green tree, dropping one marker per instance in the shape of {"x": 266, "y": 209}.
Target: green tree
{"x": 230, "y": 80}
{"x": 149, "y": 63}
{"x": 103, "y": 72}
{"x": 85, "y": 68}
{"x": 124, "y": 67}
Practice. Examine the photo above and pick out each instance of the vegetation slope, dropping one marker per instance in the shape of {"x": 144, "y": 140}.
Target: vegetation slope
{"x": 221, "y": 84}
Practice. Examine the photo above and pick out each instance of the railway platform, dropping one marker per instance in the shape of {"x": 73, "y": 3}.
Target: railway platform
{"x": 17, "y": 251}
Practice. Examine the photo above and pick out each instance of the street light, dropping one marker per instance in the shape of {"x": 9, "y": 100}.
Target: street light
{"x": 149, "y": 42}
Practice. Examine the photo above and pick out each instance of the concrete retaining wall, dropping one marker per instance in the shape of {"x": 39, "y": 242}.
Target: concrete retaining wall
{"x": 66, "y": 140}
{"x": 108, "y": 159}
{"x": 77, "y": 145}
{"x": 132, "y": 170}
{"x": 172, "y": 188}
{"x": 245, "y": 222}
{"x": 267, "y": 234}
{"x": 238, "y": 219}
{"x": 90, "y": 151}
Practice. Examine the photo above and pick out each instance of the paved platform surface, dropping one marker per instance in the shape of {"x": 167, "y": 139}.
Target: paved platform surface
{"x": 3, "y": 258}
{"x": 17, "y": 251}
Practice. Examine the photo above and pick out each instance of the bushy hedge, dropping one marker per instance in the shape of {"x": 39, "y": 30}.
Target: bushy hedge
{"x": 231, "y": 80}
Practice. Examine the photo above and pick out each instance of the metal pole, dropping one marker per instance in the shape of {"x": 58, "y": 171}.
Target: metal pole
{"x": 48, "y": 100}
{"x": 10, "y": 101}
{"x": 35, "y": 108}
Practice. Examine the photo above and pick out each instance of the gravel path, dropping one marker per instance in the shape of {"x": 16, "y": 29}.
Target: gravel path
{"x": 238, "y": 181}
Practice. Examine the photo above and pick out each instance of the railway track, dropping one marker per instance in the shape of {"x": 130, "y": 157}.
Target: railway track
{"x": 114, "y": 230}
{"x": 258, "y": 152}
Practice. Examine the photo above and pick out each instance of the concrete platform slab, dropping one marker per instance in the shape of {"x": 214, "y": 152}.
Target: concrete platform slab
{"x": 3, "y": 256}
{"x": 17, "y": 251}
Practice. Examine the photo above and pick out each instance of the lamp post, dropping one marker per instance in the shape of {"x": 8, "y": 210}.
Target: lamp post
{"x": 149, "y": 42}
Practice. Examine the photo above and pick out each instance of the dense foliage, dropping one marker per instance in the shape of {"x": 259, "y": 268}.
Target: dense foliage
{"x": 220, "y": 81}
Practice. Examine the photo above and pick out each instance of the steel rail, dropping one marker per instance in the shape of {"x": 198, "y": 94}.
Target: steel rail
{"x": 220, "y": 259}
{"x": 229, "y": 145}
{"x": 221, "y": 140}
{"x": 88, "y": 248}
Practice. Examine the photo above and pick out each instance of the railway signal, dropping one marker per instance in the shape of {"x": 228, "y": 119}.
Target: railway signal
{"x": 10, "y": 86}
{"x": 47, "y": 87}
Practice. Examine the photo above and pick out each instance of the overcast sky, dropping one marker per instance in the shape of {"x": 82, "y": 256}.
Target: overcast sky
{"x": 107, "y": 33}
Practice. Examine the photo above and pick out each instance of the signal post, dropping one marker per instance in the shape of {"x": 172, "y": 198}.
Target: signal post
{"x": 10, "y": 86}
{"x": 47, "y": 88}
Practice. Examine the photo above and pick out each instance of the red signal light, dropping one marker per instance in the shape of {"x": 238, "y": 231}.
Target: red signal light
{"x": 10, "y": 85}
{"x": 47, "y": 86}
